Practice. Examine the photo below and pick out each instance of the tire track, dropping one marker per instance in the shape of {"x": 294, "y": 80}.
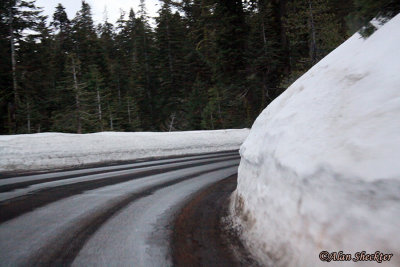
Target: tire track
{"x": 64, "y": 249}
{"x": 14, "y": 207}
{"x": 19, "y": 185}
{"x": 13, "y": 174}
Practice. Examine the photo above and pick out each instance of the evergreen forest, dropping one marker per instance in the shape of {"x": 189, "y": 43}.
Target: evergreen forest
{"x": 202, "y": 64}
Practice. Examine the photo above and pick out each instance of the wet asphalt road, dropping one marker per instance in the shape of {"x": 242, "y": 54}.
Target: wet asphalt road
{"x": 121, "y": 215}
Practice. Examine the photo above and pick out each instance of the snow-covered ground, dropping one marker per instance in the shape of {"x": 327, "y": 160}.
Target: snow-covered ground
{"x": 320, "y": 169}
{"x": 58, "y": 150}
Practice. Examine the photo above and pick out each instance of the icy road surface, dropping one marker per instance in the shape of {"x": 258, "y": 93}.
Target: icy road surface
{"x": 119, "y": 215}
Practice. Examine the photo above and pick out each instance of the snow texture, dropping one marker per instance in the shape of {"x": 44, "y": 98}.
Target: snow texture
{"x": 58, "y": 150}
{"x": 320, "y": 168}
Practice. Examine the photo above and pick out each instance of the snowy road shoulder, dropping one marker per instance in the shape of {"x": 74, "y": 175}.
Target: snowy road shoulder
{"x": 57, "y": 150}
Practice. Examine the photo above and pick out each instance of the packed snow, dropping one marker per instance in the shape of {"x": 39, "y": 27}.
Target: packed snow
{"x": 58, "y": 150}
{"x": 320, "y": 168}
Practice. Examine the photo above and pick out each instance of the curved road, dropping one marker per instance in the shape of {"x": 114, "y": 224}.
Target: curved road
{"x": 135, "y": 214}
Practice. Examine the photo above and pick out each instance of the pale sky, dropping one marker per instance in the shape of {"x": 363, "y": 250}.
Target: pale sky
{"x": 98, "y": 7}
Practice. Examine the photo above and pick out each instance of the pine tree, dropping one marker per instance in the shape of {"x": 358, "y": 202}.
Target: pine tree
{"x": 170, "y": 38}
{"x": 229, "y": 88}
{"x": 62, "y": 41}
{"x": 97, "y": 94}
{"x": 313, "y": 31}
{"x": 195, "y": 104}
{"x": 366, "y": 10}
{"x": 133, "y": 123}
{"x": 145, "y": 76}
{"x": 84, "y": 37}
{"x": 16, "y": 16}
{"x": 36, "y": 80}
{"x": 72, "y": 97}
{"x": 266, "y": 57}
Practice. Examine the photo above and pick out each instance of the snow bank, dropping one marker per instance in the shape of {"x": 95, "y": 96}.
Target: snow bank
{"x": 320, "y": 169}
{"x": 57, "y": 150}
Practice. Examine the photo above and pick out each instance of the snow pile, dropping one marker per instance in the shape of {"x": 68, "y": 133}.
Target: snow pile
{"x": 320, "y": 169}
{"x": 57, "y": 150}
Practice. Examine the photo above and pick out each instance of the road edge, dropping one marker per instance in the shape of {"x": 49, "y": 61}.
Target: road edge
{"x": 201, "y": 234}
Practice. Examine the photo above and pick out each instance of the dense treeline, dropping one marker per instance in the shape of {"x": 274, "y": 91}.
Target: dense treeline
{"x": 207, "y": 64}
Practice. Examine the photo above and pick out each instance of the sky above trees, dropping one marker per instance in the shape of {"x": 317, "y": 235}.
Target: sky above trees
{"x": 98, "y": 6}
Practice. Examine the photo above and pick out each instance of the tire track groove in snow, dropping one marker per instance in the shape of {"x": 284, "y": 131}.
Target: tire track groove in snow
{"x": 64, "y": 249}
{"x": 7, "y": 185}
{"x": 14, "y": 207}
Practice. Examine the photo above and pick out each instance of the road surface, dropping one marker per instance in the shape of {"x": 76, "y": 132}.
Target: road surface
{"x": 156, "y": 213}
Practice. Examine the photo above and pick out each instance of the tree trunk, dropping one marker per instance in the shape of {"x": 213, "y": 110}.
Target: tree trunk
{"x": 219, "y": 109}
{"x": 9, "y": 117}
{"x": 111, "y": 118}
{"x": 99, "y": 108}
{"x": 77, "y": 100}
{"x": 28, "y": 116}
{"x": 265, "y": 74}
{"x": 129, "y": 112}
{"x": 284, "y": 40}
{"x": 13, "y": 60}
{"x": 313, "y": 46}
{"x": 119, "y": 91}
{"x": 14, "y": 70}
{"x": 172, "y": 122}
{"x": 146, "y": 58}
{"x": 264, "y": 37}
{"x": 134, "y": 56}
{"x": 169, "y": 50}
